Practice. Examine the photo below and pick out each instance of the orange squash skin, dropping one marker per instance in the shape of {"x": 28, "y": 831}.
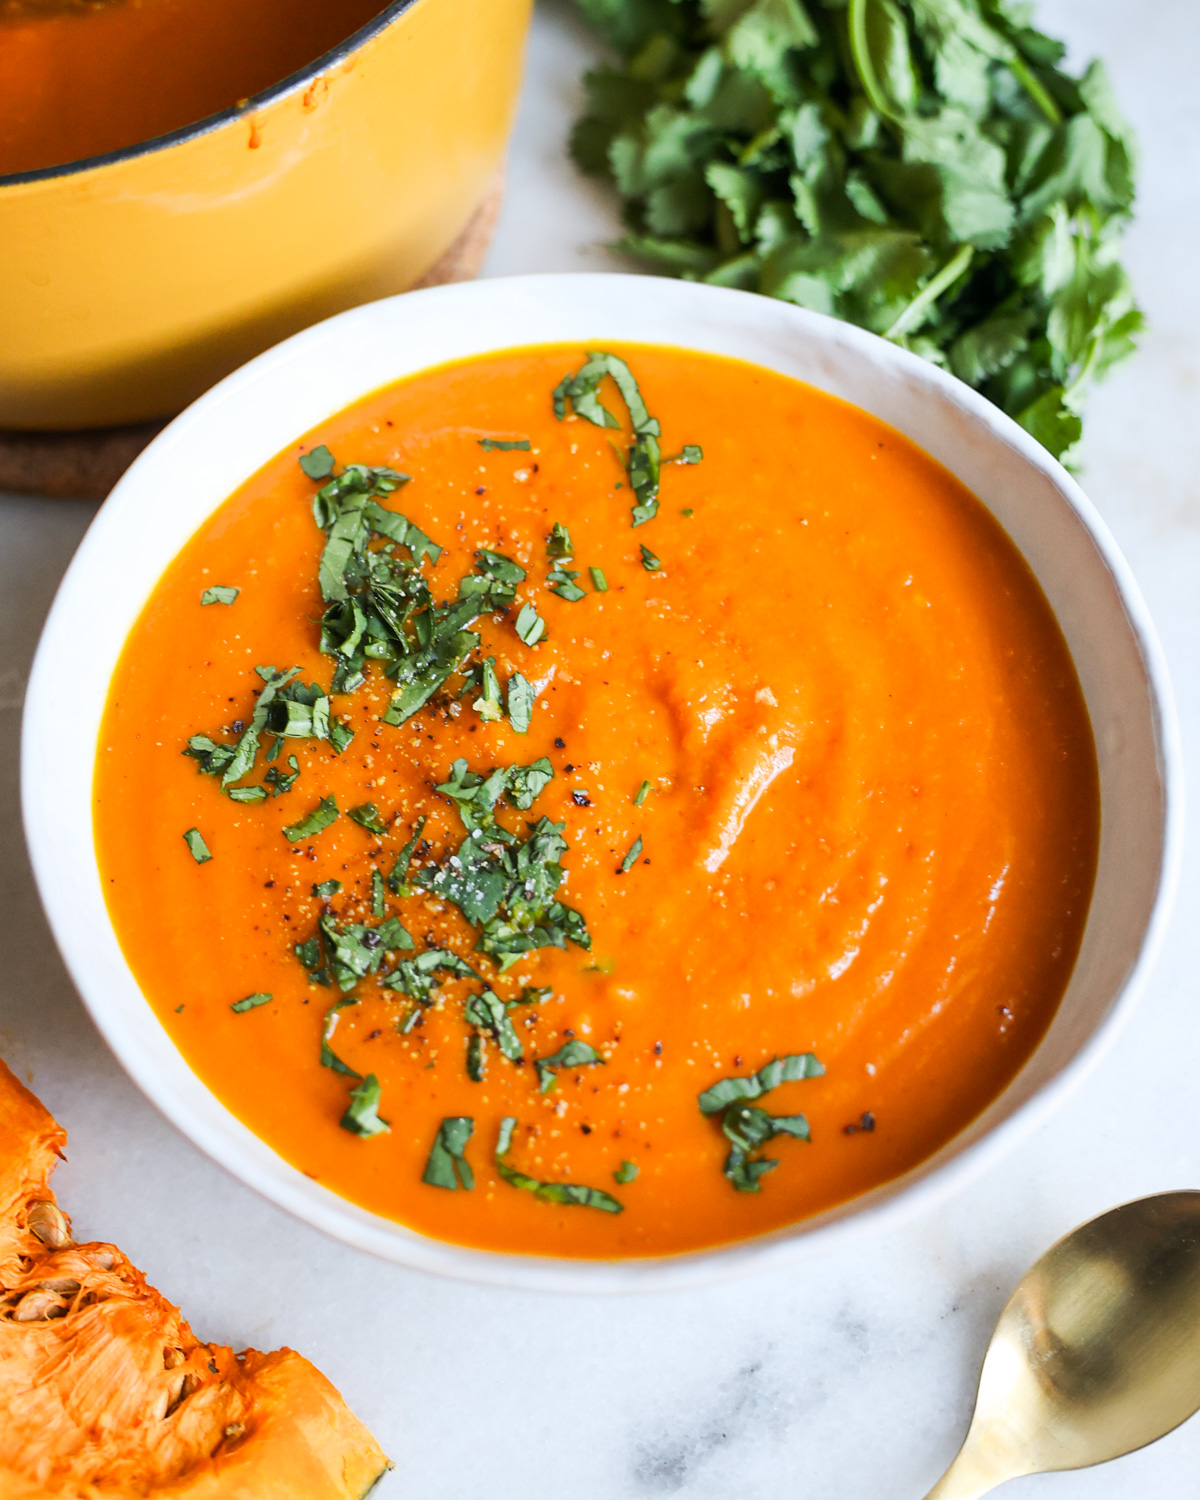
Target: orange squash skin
{"x": 871, "y": 833}
{"x": 106, "y": 1392}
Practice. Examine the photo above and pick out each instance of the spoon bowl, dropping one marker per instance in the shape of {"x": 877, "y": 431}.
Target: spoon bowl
{"x": 1097, "y": 1352}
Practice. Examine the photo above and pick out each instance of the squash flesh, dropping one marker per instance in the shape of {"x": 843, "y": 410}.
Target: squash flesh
{"x": 105, "y": 1390}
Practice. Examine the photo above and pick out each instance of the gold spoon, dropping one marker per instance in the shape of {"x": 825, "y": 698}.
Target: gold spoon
{"x": 1096, "y": 1354}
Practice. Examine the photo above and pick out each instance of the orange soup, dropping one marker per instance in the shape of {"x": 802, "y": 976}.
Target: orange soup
{"x": 681, "y": 819}
{"x": 82, "y": 77}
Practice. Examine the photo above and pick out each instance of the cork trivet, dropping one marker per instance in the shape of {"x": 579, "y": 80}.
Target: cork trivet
{"x": 86, "y": 465}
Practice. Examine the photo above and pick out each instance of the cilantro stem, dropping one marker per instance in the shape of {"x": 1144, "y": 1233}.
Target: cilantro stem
{"x": 1035, "y": 88}
{"x": 914, "y": 314}
{"x": 860, "y": 51}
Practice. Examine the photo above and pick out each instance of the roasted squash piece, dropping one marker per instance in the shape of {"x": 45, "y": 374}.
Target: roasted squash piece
{"x": 104, "y": 1389}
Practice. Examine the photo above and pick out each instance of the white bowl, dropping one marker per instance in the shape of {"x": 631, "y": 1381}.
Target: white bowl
{"x": 224, "y": 437}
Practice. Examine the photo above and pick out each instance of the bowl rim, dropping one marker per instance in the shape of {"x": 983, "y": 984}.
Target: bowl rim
{"x": 924, "y": 1186}
{"x": 210, "y": 123}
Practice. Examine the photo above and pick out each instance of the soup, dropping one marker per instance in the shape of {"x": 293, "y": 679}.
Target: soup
{"x": 683, "y": 818}
{"x": 79, "y": 79}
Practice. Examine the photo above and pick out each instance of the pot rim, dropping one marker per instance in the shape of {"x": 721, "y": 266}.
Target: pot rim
{"x": 211, "y": 123}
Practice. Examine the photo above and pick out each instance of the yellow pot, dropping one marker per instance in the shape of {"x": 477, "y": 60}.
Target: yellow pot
{"x": 131, "y": 282}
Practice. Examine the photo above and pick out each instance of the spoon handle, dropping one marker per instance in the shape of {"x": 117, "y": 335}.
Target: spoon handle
{"x": 967, "y": 1478}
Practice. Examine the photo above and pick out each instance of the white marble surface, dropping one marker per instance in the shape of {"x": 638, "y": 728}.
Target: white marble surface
{"x": 850, "y": 1377}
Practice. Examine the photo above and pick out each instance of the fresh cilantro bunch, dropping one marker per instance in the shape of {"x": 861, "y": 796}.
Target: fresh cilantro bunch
{"x": 923, "y": 168}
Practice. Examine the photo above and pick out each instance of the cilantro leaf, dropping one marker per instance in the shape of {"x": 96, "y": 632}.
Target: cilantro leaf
{"x": 561, "y": 581}
{"x": 529, "y": 625}
{"x": 329, "y": 1058}
{"x": 649, "y": 561}
{"x": 367, "y": 816}
{"x": 447, "y": 1166}
{"x": 926, "y": 169}
{"x": 325, "y": 813}
{"x": 251, "y": 1002}
{"x": 747, "y": 1126}
{"x": 520, "y": 701}
{"x": 643, "y": 459}
{"x": 626, "y": 1172}
{"x": 559, "y": 547}
{"x": 632, "y": 857}
{"x": 503, "y": 885}
{"x": 398, "y": 879}
{"x": 489, "y": 1014}
{"x": 219, "y": 594}
{"x": 641, "y": 794}
{"x": 779, "y": 1070}
{"x": 572, "y": 1054}
{"x": 362, "y": 1112}
{"x": 488, "y": 705}
{"x": 501, "y": 445}
{"x": 573, "y": 1193}
{"x": 416, "y": 977}
{"x": 599, "y": 582}
{"x": 317, "y": 464}
{"x": 197, "y": 848}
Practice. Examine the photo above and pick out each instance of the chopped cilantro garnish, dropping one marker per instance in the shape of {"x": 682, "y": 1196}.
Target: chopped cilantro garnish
{"x": 559, "y": 547}
{"x": 634, "y": 854}
{"x": 346, "y": 952}
{"x": 692, "y": 454}
{"x": 362, "y": 1113}
{"x": 626, "y": 1172}
{"x": 325, "y": 813}
{"x": 790, "y": 1069}
{"x": 643, "y": 458}
{"x": 572, "y": 1054}
{"x": 499, "y": 445}
{"x": 366, "y": 815}
{"x": 197, "y": 848}
{"x": 489, "y": 1014}
{"x": 687, "y": 511}
{"x": 447, "y": 1165}
{"x": 377, "y": 895}
{"x": 649, "y": 561}
{"x": 397, "y": 880}
{"x": 288, "y": 710}
{"x": 529, "y": 625}
{"x": 326, "y": 889}
{"x": 393, "y": 935}
{"x": 219, "y": 594}
{"x": 502, "y": 885}
{"x": 641, "y": 794}
{"x": 599, "y": 582}
{"x": 550, "y": 1192}
{"x": 282, "y": 781}
{"x": 340, "y": 735}
{"x": 561, "y": 581}
{"x": 746, "y": 1126}
{"x": 502, "y": 569}
{"x": 329, "y": 1058}
{"x": 379, "y": 607}
{"x": 247, "y": 793}
{"x": 527, "y": 783}
{"x": 318, "y": 464}
{"x": 416, "y": 977}
{"x": 520, "y": 700}
{"x": 251, "y": 1002}
{"x": 488, "y": 705}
